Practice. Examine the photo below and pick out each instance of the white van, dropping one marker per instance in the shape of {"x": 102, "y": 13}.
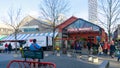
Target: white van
{"x": 43, "y": 41}
{"x": 2, "y": 47}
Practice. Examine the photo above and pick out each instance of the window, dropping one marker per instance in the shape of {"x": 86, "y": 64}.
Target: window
{"x": 83, "y": 24}
{"x": 31, "y": 29}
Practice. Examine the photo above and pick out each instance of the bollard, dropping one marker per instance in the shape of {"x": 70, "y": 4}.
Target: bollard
{"x": 46, "y": 54}
{"x": 95, "y": 60}
{"x": 79, "y": 56}
{"x": 58, "y": 54}
{"x": 69, "y": 54}
{"x": 90, "y": 58}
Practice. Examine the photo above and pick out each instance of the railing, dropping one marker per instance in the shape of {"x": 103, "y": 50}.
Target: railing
{"x": 28, "y": 64}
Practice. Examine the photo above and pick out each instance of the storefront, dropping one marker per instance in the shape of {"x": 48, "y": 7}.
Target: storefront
{"x": 78, "y": 29}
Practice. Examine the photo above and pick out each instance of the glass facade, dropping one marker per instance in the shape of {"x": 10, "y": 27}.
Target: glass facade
{"x": 31, "y": 29}
{"x": 83, "y": 25}
{"x": 81, "y": 29}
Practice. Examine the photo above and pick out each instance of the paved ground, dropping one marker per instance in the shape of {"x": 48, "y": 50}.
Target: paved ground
{"x": 63, "y": 61}
{"x": 113, "y": 61}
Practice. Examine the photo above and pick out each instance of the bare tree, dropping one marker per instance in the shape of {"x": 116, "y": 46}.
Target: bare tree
{"x": 109, "y": 15}
{"x": 14, "y": 21}
{"x": 51, "y": 9}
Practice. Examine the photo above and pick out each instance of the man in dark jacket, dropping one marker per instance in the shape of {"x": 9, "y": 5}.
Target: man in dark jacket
{"x": 9, "y": 47}
{"x": 89, "y": 45}
{"x": 112, "y": 50}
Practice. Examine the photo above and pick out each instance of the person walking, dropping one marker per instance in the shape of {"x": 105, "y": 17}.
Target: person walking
{"x": 100, "y": 50}
{"x": 105, "y": 49}
{"x": 6, "y": 48}
{"x": 112, "y": 50}
{"x": 89, "y": 45}
{"x": 9, "y": 48}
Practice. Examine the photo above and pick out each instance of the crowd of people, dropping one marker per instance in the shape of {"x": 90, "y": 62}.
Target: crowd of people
{"x": 102, "y": 48}
{"x": 111, "y": 48}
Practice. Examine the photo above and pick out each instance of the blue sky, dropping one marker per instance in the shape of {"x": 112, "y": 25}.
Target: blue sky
{"x": 79, "y": 8}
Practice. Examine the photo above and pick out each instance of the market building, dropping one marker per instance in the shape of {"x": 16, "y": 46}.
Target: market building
{"x": 78, "y": 29}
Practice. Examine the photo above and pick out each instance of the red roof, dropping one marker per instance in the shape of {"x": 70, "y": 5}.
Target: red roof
{"x": 67, "y": 22}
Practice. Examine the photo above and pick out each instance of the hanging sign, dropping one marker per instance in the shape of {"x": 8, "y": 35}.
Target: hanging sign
{"x": 79, "y": 29}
